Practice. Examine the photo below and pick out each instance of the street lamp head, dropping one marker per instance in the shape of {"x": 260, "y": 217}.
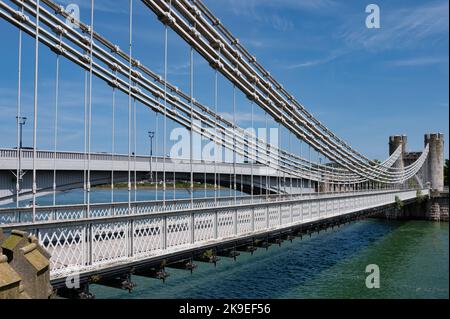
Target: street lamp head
{"x": 22, "y": 120}
{"x": 151, "y": 135}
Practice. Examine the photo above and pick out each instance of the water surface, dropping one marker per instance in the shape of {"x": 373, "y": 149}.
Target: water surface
{"x": 412, "y": 257}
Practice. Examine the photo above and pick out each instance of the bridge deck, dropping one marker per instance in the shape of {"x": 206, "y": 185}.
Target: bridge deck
{"x": 83, "y": 239}
{"x": 70, "y": 167}
{"x": 76, "y": 161}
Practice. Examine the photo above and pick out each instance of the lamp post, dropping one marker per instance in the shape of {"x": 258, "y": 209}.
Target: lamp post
{"x": 151, "y": 135}
{"x": 21, "y": 121}
{"x": 19, "y": 175}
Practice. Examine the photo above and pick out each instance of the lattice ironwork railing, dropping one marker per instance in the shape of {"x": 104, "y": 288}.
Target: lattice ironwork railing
{"x": 74, "y": 212}
{"x": 87, "y": 244}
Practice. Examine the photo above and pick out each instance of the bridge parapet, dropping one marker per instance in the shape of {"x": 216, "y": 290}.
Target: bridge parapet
{"x": 102, "y": 210}
{"x": 86, "y": 245}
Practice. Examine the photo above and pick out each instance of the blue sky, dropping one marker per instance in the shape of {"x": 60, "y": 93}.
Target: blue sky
{"x": 363, "y": 84}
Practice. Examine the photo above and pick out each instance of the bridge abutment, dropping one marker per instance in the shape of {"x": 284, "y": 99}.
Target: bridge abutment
{"x": 437, "y": 206}
{"x": 432, "y": 208}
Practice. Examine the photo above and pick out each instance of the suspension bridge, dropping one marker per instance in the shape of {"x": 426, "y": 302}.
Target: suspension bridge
{"x": 273, "y": 192}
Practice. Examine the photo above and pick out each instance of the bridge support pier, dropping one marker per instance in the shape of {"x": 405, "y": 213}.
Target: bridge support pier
{"x": 156, "y": 273}
{"x": 435, "y": 162}
{"x": 395, "y": 142}
{"x": 184, "y": 265}
{"x": 209, "y": 256}
{"x": 76, "y": 293}
{"x": 122, "y": 282}
{"x": 229, "y": 253}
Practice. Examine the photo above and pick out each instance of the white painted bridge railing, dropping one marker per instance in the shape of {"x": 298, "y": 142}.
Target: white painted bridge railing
{"x": 43, "y": 154}
{"x": 72, "y": 212}
{"x": 12, "y": 154}
{"x": 80, "y": 245}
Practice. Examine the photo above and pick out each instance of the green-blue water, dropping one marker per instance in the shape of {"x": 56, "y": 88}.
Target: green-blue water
{"x": 76, "y": 196}
{"x": 412, "y": 257}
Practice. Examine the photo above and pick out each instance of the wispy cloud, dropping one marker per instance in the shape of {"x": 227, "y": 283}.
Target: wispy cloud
{"x": 266, "y": 11}
{"x": 180, "y": 68}
{"x": 400, "y": 28}
{"x": 418, "y": 61}
{"x": 281, "y": 24}
{"x": 238, "y": 6}
{"x": 308, "y": 64}
{"x": 311, "y": 63}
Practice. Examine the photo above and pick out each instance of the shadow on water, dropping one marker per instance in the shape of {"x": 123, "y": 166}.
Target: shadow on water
{"x": 276, "y": 273}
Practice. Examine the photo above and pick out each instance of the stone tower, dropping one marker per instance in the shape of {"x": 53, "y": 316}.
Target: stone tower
{"x": 435, "y": 161}
{"x": 394, "y": 142}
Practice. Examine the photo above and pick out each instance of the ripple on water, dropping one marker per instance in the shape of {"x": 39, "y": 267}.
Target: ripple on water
{"x": 413, "y": 259}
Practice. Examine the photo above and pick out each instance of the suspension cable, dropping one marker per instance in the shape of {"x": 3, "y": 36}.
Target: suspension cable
{"x": 301, "y": 177}
{"x": 113, "y": 140}
{"x": 252, "y": 191}
{"x": 267, "y": 155}
{"x": 290, "y": 149}
{"x": 56, "y": 124}
{"x": 191, "y": 135}
{"x": 165, "y": 117}
{"x": 36, "y": 70}
{"x": 19, "y": 118}
{"x": 135, "y": 148}
{"x": 130, "y": 100}
{"x": 215, "y": 134}
{"x": 89, "y": 124}
{"x": 278, "y": 161}
{"x": 234, "y": 145}
{"x": 404, "y": 175}
{"x": 156, "y": 152}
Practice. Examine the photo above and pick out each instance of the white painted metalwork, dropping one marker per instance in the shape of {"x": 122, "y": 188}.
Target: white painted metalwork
{"x": 108, "y": 236}
{"x": 90, "y": 237}
{"x": 124, "y": 86}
